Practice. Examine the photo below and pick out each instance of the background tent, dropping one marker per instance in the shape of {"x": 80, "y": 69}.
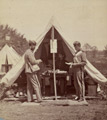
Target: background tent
{"x": 8, "y": 58}
{"x": 15, "y": 52}
{"x": 42, "y": 40}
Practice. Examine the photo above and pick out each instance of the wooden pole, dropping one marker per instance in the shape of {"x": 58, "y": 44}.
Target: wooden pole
{"x": 54, "y": 74}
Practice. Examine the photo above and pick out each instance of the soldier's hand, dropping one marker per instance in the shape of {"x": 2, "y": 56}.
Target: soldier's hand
{"x": 39, "y": 60}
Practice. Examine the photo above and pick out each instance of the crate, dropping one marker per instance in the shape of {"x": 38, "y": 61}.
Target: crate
{"x": 92, "y": 90}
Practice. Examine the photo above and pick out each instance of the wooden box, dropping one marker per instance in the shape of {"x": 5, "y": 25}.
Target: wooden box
{"x": 92, "y": 90}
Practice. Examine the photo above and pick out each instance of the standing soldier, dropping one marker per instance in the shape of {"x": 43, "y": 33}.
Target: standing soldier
{"x": 78, "y": 64}
{"x": 78, "y": 67}
{"x": 31, "y": 67}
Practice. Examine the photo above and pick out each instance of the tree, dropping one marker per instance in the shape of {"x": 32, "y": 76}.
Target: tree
{"x": 105, "y": 51}
{"x": 12, "y": 37}
{"x": 94, "y": 51}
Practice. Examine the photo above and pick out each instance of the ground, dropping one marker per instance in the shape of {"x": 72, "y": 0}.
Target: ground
{"x": 13, "y": 110}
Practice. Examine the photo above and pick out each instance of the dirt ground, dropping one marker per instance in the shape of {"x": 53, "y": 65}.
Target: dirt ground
{"x": 13, "y": 110}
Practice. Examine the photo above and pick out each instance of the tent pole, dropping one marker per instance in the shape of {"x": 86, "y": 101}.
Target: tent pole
{"x": 54, "y": 74}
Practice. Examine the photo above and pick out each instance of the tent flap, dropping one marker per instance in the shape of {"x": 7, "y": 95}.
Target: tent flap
{"x": 14, "y": 73}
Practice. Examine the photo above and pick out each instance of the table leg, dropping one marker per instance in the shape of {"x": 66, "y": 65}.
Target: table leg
{"x": 65, "y": 87}
{"x": 43, "y": 87}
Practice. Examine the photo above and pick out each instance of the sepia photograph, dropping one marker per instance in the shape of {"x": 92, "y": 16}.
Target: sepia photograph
{"x": 53, "y": 59}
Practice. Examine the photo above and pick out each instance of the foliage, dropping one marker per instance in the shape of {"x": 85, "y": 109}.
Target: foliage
{"x": 11, "y": 37}
{"x": 105, "y": 50}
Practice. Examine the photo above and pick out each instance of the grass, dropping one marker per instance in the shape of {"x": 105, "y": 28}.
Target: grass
{"x": 14, "y": 111}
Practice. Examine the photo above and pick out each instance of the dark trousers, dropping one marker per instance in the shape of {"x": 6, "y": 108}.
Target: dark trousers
{"x": 79, "y": 84}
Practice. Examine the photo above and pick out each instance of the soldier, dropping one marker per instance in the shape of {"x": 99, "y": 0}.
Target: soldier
{"x": 79, "y": 61}
{"x": 31, "y": 68}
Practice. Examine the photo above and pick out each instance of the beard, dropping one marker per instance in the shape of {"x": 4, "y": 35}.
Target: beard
{"x": 32, "y": 49}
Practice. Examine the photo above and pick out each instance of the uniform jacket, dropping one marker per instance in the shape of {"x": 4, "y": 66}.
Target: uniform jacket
{"x": 79, "y": 61}
{"x": 29, "y": 57}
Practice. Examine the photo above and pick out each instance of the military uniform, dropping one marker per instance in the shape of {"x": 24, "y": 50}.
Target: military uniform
{"x": 32, "y": 79}
{"x": 78, "y": 70}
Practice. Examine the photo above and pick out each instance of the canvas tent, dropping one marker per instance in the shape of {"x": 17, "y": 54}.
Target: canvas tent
{"x": 13, "y": 50}
{"x": 8, "y": 57}
{"x": 41, "y": 48}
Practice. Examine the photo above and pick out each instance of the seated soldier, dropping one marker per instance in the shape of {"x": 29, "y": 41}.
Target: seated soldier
{"x": 60, "y": 63}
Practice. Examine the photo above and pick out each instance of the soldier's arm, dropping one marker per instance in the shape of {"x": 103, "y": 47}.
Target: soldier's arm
{"x": 32, "y": 60}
